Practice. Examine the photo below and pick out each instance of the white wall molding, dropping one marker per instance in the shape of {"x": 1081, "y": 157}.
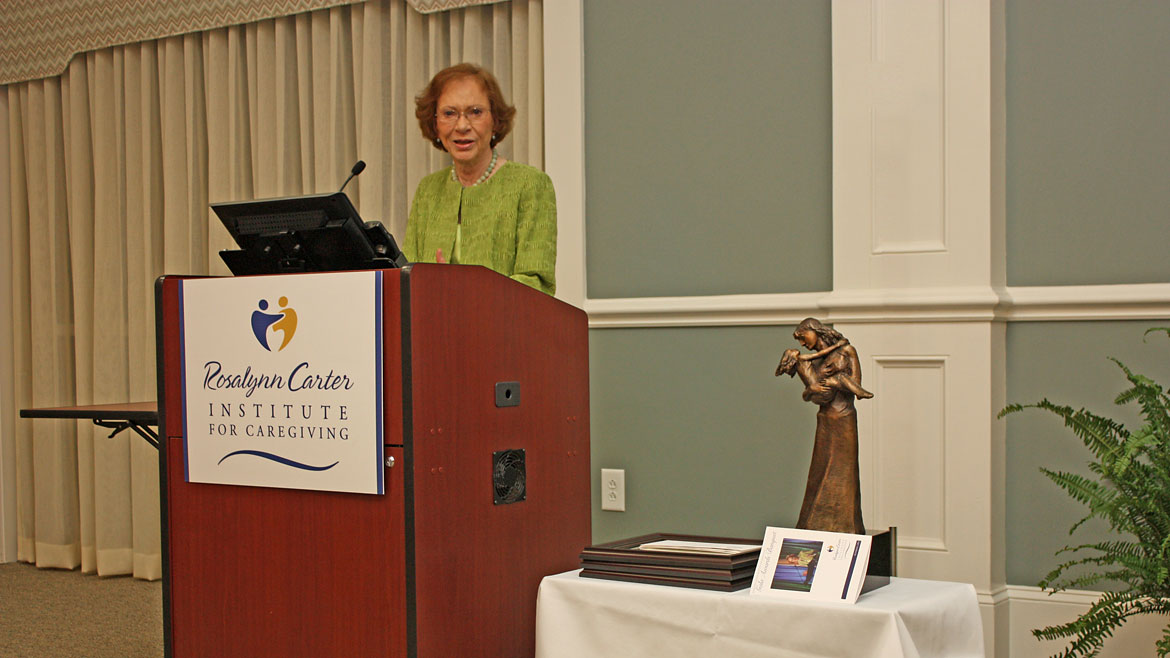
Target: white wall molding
{"x": 1072, "y": 596}
{"x": 564, "y": 139}
{"x": 913, "y": 163}
{"x": 1032, "y": 607}
{"x": 718, "y": 310}
{"x": 995, "y": 597}
{"x": 944, "y": 304}
{"x": 905, "y": 448}
{"x": 1116, "y": 302}
{"x": 928, "y": 472}
{"x": 1022, "y": 608}
{"x": 897, "y": 305}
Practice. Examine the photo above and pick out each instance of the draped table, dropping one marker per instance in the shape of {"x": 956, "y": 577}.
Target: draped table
{"x": 589, "y": 618}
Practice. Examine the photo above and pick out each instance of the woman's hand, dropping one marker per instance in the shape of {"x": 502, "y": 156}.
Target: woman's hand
{"x": 818, "y": 394}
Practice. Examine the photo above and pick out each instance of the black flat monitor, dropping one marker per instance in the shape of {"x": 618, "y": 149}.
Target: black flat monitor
{"x": 312, "y": 233}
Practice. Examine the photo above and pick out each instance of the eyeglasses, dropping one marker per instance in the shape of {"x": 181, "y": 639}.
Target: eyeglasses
{"x": 450, "y": 115}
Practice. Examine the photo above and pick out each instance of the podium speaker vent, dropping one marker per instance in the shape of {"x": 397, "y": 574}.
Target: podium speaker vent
{"x": 508, "y": 476}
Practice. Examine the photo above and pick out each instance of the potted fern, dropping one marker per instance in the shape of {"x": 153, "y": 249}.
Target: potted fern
{"x": 1130, "y": 490}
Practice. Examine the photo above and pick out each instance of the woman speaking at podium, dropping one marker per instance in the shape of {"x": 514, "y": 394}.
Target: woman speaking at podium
{"x": 483, "y": 209}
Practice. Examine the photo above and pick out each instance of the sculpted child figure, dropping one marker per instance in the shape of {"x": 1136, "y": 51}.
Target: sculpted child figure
{"x": 832, "y": 380}
{"x": 793, "y": 362}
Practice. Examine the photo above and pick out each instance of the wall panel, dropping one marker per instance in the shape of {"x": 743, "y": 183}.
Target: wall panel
{"x": 1087, "y": 142}
{"x": 909, "y": 451}
{"x": 711, "y": 440}
{"x": 1067, "y": 363}
{"x": 708, "y": 136}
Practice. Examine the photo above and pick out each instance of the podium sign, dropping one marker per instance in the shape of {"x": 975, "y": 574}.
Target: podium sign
{"x": 282, "y": 381}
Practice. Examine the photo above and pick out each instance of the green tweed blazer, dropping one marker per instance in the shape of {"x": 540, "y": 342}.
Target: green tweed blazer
{"x": 509, "y": 223}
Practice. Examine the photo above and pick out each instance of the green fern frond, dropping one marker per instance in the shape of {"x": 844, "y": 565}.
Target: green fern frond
{"x": 1101, "y": 435}
{"x": 1009, "y": 409}
{"x": 1092, "y": 629}
{"x": 1129, "y": 489}
{"x": 1087, "y": 581}
{"x": 1151, "y": 397}
{"x": 1118, "y": 549}
{"x": 1088, "y": 492}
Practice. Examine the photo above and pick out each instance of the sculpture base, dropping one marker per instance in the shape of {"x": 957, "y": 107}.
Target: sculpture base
{"x": 883, "y": 558}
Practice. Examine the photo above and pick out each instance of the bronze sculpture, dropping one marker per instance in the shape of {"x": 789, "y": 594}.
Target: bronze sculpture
{"x": 832, "y": 379}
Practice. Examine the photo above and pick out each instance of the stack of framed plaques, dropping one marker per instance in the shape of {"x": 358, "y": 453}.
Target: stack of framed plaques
{"x": 715, "y": 563}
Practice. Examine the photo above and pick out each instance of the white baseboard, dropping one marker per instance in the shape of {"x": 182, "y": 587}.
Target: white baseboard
{"x": 1031, "y": 607}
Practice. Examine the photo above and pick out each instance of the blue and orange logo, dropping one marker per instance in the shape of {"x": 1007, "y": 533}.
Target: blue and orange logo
{"x": 285, "y": 321}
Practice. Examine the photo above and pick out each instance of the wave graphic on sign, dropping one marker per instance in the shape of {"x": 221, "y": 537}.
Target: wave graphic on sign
{"x": 277, "y": 458}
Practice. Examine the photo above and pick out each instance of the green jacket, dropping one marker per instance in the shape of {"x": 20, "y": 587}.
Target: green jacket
{"x": 509, "y": 223}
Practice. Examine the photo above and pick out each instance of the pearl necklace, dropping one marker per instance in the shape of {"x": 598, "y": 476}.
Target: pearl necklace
{"x": 491, "y": 167}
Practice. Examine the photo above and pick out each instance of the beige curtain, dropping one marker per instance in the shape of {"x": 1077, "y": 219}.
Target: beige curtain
{"x": 107, "y": 172}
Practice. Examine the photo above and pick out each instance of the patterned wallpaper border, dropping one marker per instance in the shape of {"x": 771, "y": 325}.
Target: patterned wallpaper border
{"x": 39, "y": 37}
{"x": 432, "y": 6}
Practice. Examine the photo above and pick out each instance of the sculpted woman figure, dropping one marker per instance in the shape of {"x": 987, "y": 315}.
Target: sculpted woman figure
{"x": 832, "y": 380}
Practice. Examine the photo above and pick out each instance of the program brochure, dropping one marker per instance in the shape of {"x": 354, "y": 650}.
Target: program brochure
{"x": 812, "y": 565}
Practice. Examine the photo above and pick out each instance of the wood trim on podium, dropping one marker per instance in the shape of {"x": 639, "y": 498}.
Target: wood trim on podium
{"x": 407, "y": 395}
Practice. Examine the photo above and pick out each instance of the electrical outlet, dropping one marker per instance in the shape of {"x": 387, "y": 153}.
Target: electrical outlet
{"x": 613, "y": 489}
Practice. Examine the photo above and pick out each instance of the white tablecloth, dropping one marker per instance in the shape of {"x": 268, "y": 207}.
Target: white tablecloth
{"x": 590, "y": 618}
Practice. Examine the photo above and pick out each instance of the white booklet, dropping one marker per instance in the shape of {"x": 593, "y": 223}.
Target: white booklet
{"x": 698, "y": 547}
{"x": 812, "y": 565}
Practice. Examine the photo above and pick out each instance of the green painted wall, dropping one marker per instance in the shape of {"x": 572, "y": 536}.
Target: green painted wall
{"x": 1088, "y": 142}
{"x": 689, "y": 193}
{"x": 1066, "y": 362}
{"x": 708, "y": 143}
{"x": 711, "y": 440}
{"x": 1087, "y": 199}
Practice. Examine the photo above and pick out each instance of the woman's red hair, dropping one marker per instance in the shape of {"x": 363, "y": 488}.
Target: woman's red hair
{"x": 426, "y": 103}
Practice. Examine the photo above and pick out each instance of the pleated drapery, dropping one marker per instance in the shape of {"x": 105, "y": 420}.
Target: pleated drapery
{"x": 106, "y": 173}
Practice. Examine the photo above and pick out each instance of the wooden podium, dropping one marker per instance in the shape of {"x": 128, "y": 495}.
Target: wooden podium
{"x": 435, "y": 567}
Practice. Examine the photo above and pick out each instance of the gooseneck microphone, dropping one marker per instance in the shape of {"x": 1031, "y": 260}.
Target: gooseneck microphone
{"x": 358, "y": 167}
